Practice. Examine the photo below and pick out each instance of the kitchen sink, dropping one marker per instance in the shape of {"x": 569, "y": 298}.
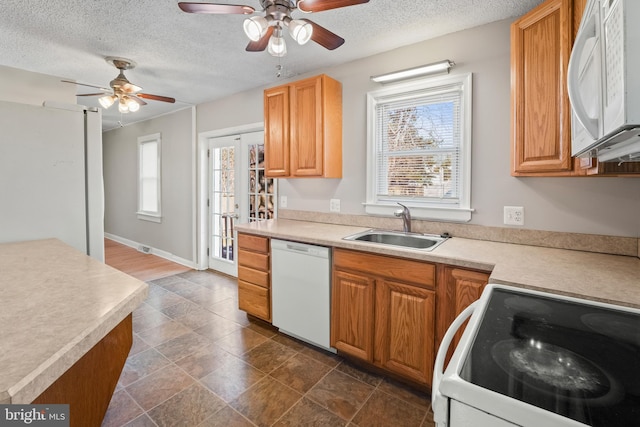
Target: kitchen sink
{"x": 427, "y": 242}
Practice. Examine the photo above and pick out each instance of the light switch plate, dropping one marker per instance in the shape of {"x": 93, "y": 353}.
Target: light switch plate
{"x": 334, "y": 205}
{"x": 514, "y": 215}
{"x": 283, "y": 201}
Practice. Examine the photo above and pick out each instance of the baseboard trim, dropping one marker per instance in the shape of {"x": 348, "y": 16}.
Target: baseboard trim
{"x": 151, "y": 250}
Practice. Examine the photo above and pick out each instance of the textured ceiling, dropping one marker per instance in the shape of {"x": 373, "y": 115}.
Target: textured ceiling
{"x": 198, "y": 58}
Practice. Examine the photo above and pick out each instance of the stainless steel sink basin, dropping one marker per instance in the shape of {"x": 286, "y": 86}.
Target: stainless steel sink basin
{"x": 427, "y": 242}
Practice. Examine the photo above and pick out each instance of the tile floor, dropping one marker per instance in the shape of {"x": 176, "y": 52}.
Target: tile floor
{"x": 198, "y": 361}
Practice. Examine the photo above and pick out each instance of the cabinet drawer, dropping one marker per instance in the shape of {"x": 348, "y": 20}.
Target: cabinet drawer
{"x": 253, "y": 243}
{"x": 418, "y": 272}
{"x": 257, "y": 277}
{"x": 253, "y": 260}
{"x": 254, "y": 300}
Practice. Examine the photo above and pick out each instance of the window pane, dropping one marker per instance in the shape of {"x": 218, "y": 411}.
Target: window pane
{"x": 419, "y": 146}
{"x": 149, "y": 174}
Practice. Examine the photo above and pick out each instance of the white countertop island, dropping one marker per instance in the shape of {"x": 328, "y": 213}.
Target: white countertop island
{"x": 56, "y": 304}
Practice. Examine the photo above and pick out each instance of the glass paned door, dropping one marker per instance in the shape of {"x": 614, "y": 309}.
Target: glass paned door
{"x": 239, "y": 192}
{"x": 223, "y": 203}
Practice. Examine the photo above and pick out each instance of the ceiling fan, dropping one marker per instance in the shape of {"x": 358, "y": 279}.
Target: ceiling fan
{"x": 128, "y": 95}
{"x": 267, "y": 31}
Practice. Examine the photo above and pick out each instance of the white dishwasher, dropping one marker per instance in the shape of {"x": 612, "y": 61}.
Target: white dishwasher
{"x": 301, "y": 291}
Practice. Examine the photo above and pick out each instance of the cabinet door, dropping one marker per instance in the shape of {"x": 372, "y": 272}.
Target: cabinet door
{"x": 352, "y": 314}
{"x": 540, "y": 113}
{"x": 276, "y": 131}
{"x": 405, "y": 327}
{"x": 307, "y": 127}
{"x": 457, "y": 288}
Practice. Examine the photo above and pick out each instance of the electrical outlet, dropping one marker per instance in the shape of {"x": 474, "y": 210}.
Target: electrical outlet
{"x": 514, "y": 215}
{"x": 334, "y": 205}
{"x": 283, "y": 201}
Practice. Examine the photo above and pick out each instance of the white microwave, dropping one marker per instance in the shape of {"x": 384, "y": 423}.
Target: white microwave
{"x": 604, "y": 83}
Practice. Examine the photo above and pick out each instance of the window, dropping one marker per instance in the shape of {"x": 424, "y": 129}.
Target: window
{"x": 149, "y": 177}
{"x": 419, "y": 148}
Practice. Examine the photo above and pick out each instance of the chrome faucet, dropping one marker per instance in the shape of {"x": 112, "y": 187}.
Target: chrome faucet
{"x": 406, "y": 218}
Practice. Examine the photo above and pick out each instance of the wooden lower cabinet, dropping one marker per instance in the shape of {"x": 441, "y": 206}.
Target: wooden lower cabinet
{"x": 352, "y": 306}
{"x": 405, "y": 321}
{"x": 383, "y": 312}
{"x": 457, "y": 289}
{"x": 254, "y": 276}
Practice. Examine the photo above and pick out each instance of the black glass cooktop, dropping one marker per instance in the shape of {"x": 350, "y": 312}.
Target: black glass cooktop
{"x": 578, "y": 360}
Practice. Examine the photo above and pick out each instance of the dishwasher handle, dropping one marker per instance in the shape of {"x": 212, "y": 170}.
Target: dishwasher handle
{"x": 301, "y": 248}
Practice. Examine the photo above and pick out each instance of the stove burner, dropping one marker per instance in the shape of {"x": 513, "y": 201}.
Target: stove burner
{"x": 614, "y": 326}
{"x": 527, "y": 305}
{"x": 555, "y": 371}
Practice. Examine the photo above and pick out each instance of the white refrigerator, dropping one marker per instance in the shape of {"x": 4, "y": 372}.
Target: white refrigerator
{"x": 51, "y": 175}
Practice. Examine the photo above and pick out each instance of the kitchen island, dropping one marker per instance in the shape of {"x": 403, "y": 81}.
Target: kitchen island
{"x": 65, "y": 327}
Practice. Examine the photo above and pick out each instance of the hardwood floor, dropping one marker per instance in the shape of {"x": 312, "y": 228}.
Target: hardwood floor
{"x": 137, "y": 264}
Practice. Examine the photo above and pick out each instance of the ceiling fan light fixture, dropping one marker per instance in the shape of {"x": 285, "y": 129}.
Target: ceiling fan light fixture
{"x": 132, "y": 105}
{"x": 123, "y": 107}
{"x": 300, "y": 30}
{"x": 107, "y": 101}
{"x": 277, "y": 46}
{"x": 255, "y": 27}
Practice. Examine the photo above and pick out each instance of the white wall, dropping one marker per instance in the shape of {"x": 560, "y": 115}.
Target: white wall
{"x": 175, "y": 234}
{"x": 33, "y": 88}
{"x": 590, "y": 205}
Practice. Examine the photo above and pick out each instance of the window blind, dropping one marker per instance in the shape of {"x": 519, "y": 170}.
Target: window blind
{"x": 418, "y": 145}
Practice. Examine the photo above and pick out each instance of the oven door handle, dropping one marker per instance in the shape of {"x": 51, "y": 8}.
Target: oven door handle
{"x": 439, "y": 402}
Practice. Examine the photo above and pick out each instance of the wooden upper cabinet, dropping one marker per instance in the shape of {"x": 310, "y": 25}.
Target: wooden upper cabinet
{"x": 303, "y": 129}
{"x": 540, "y": 111}
{"x": 276, "y": 131}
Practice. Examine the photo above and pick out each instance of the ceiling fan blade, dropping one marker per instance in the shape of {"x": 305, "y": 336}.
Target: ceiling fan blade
{"x": 155, "y": 97}
{"x": 238, "y": 9}
{"x": 324, "y": 37}
{"x": 321, "y": 5}
{"x": 137, "y": 99}
{"x": 91, "y": 94}
{"x": 87, "y": 85}
{"x": 261, "y": 44}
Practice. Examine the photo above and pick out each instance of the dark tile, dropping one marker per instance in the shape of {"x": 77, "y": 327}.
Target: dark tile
{"x": 164, "y": 332}
{"x": 322, "y": 356}
{"x": 229, "y": 310}
{"x": 300, "y": 372}
{"x": 165, "y": 282}
{"x": 122, "y": 409}
{"x": 180, "y": 285}
{"x": 404, "y": 392}
{"x": 159, "y": 386}
{"x": 263, "y": 328}
{"x": 182, "y": 346}
{"x": 188, "y": 408}
{"x": 340, "y": 393}
{"x": 200, "y": 317}
{"x": 147, "y": 318}
{"x": 265, "y": 402}
{"x": 217, "y": 328}
{"x": 428, "y": 420}
{"x": 142, "y": 421}
{"x": 204, "y": 360}
{"x": 384, "y": 410}
{"x": 309, "y": 414}
{"x": 226, "y": 417}
{"x": 141, "y": 365}
{"x": 268, "y": 356}
{"x": 232, "y": 379}
{"x": 180, "y": 309}
{"x": 240, "y": 341}
{"x": 138, "y": 346}
{"x": 160, "y": 298}
{"x": 294, "y": 344}
{"x": 359, "y": 373}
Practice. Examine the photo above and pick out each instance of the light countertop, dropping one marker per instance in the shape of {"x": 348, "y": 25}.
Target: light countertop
{"x": 608, "y": 278}
{"x": 56, "y": 303}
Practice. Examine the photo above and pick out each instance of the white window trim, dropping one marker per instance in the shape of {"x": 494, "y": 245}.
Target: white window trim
{"x": 460, "y": 213}
{"x": 141, "y": 214}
